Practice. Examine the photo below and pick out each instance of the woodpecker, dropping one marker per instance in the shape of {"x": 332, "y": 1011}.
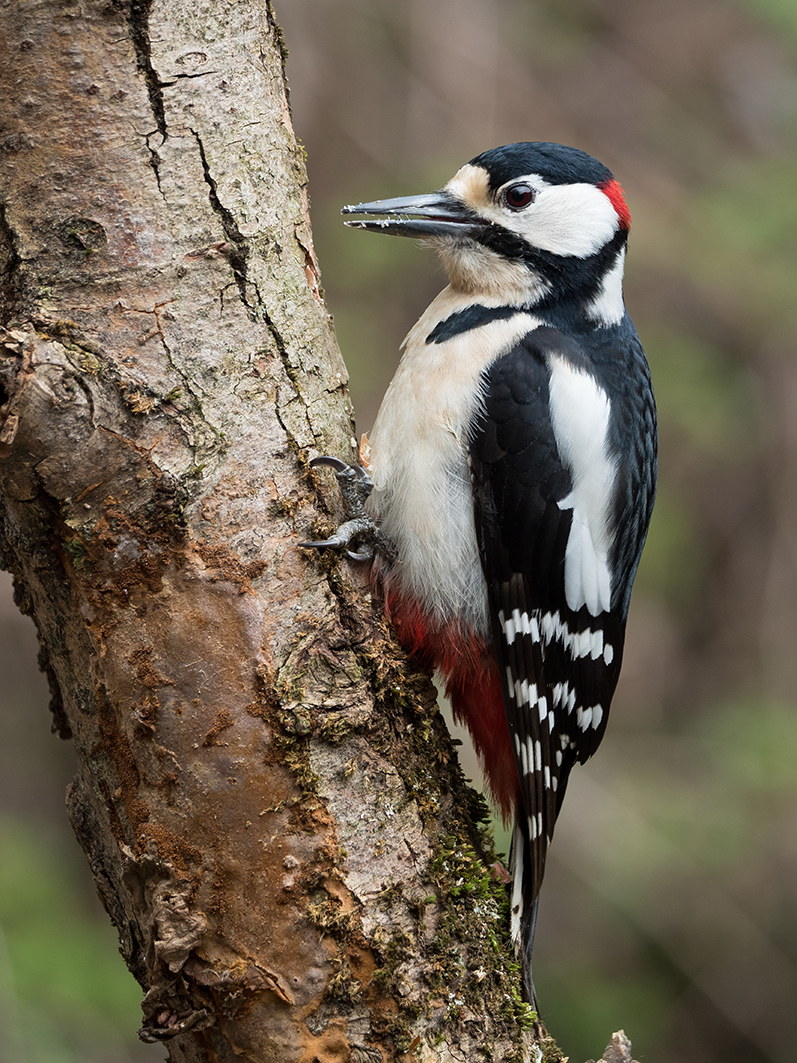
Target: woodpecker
{"x": 512, "y": 473}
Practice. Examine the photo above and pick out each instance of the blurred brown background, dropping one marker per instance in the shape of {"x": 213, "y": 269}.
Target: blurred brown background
{"x": 670, "y": 902}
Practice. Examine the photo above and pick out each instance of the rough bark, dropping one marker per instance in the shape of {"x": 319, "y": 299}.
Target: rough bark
{"x": 267, "y": 795}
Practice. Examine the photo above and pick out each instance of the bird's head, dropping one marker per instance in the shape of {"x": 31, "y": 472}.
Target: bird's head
{"x": 531, "y": 223}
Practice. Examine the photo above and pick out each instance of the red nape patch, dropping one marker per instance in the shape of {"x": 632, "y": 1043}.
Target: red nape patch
{"x": 472, "y": 684}
{"x": 611, "y": 189}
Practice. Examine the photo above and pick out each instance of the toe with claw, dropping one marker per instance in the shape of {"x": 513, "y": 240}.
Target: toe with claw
{"x": 355, "y": 487}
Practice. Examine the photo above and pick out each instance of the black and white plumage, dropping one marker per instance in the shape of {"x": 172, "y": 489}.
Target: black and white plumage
{"x": 514, "y": 467}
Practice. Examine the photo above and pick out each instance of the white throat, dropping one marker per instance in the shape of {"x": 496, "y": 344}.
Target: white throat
{"x": 476, "y": 270}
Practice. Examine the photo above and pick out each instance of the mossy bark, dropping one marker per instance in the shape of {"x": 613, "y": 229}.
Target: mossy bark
{"x": 267, "y": 796}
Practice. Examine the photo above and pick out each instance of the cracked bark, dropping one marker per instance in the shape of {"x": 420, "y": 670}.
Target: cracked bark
{"x": 267, "y": 796}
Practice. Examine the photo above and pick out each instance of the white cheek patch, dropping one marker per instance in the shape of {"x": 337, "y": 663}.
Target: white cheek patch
{"x": 570, "y": 220}
{"x": 573, "y": 220}
{"x": 580, "y": 412}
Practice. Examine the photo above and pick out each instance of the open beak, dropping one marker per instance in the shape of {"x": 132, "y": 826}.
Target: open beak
{"x": 432, "y": 214}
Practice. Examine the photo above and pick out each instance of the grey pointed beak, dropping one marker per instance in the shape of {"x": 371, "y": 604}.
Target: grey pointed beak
{"x": 432, "y": 214}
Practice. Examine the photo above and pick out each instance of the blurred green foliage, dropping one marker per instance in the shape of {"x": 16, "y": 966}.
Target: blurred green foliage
{"x": 704, "y": 396}
{"x": 65, "y": 995}
{"x": 743, "y": 242}
{"x": 781, "y": 14}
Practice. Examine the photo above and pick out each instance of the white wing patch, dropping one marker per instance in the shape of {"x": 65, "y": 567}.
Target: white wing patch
{"x": 580, "y": 411}
{"x": 587, "y": 579}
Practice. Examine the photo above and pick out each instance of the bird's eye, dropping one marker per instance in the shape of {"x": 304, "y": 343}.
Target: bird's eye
{"x": 519, "y": 196}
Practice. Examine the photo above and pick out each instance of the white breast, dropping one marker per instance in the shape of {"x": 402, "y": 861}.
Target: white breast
{"x": 422, "y": 494}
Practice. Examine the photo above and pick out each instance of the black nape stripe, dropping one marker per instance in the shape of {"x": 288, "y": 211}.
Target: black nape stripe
{"x": 469, "y": 318}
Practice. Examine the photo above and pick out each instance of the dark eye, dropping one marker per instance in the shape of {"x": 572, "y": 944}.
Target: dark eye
{"x": 519, "y": 196}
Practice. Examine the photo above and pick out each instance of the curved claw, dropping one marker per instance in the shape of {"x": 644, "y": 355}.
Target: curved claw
{"x": 345, "y": 535}
{"x": 361, "y": 555}
{"x": 333, "y": 541}
{"x": 342, "y": 468}
{"x": 333, "y": 463}
{"x": 338, "y": 541}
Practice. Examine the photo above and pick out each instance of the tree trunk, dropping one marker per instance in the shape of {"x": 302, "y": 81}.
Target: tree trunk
{"x": 267, "y": 796}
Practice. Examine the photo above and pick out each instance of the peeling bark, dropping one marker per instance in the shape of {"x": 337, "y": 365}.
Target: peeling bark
{"x": 267, "y": 796}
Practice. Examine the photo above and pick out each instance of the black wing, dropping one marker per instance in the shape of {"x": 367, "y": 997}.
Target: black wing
{"x": 558, "y": 666}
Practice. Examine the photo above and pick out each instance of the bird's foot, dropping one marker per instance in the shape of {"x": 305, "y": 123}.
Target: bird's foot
{"x": 355, "y": 487}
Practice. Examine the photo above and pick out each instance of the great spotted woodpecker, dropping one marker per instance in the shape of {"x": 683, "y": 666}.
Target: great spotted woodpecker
{"x": 512, "y": 473}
